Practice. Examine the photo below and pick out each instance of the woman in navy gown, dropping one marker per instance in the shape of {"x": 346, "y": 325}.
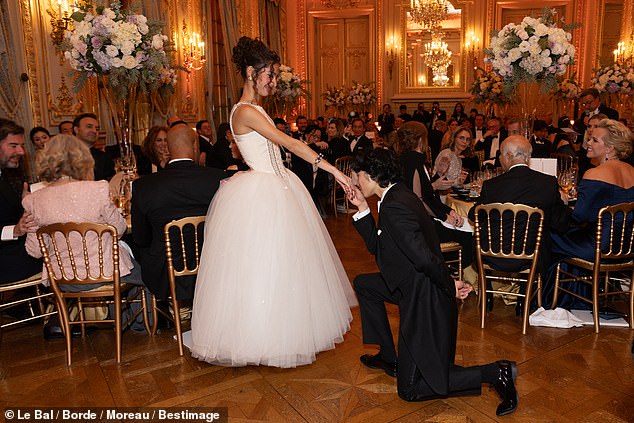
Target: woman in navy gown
{"x": 610, "y": 183}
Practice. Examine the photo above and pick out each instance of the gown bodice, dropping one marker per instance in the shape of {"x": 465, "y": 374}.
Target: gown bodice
{"x": 259, "y": 153}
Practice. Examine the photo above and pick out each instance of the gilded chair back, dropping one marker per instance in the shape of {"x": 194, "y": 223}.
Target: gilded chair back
{"x": 343, "y": 164}
{"x": 187, "y": 234}
{"x": 508, "y": 237}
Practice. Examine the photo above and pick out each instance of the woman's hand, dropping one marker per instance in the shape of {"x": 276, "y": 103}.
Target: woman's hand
{"x": 462, "y": 290}
{"x": 357, "y": 199}
{"x": 343, "y": 180}
{"x": 455, "y": 219}
{"x": 442, "y": 184}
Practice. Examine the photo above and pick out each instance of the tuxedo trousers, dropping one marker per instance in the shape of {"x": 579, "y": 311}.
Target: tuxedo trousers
{"x": 372, "y": 293}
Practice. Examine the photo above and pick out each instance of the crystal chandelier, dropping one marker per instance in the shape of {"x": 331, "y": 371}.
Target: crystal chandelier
{"x": 438, "y": 57}
{"x": 428, "y": 13}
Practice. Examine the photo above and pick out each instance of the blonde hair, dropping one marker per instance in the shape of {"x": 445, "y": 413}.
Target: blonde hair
{"x": 64, "y": 155}
{"x": 619, "y": 136}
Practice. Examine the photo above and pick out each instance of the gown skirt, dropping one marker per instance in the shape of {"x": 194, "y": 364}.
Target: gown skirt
{"x": 271, "y": 289}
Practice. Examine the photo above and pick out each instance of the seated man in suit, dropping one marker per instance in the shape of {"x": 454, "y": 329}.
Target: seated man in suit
{"x": 15, "y": 223}
{"x": 523, "y": 185}
{"x": 490, "y": 142}
{"x": 358, "y": 140}
{"x": 182, "y": 189}
{"x": 86, "y": 129}
{"x": 413, "y": 275}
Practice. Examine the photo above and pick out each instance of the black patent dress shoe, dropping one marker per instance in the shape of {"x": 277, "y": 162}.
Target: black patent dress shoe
{"x": 376, "y": 362}
{"x": 505, "y": 387}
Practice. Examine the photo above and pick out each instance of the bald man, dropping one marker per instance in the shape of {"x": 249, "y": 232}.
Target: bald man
{"x": 523, "y": 185}
{"x": 182, "y": 189}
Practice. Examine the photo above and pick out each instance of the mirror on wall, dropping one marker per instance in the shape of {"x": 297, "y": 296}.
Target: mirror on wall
{"x": 417, "y": 40}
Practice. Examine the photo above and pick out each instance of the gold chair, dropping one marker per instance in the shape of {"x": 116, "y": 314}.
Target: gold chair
{"x": 613, "y": 256}
{"x": 343, "y": 164}
{"x": 455, "y": 264}
{"x": 176, "y": 229}
{"x": 75, "y": 239}
{"x": 35, "y": 282}
{"x": 507, "y": 231}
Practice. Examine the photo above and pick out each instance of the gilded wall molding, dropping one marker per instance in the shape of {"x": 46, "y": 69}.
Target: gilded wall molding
{"x": 301, "y": 37}
{"x": 30, "y": 55}
{"x": 64, "y": 104}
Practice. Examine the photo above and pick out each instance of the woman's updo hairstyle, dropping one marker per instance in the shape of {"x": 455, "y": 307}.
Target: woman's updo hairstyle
{"x": 253, "y": 52}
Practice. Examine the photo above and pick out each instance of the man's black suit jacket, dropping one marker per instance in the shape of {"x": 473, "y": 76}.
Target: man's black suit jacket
{"x": 363, "y": 143}
{"x": 104, "y": 166}
{"x": 15, "y": 263}
{"x": 523, "y": 185}
{"x": 408, "y": 255}
{"x": 182, "y": 189}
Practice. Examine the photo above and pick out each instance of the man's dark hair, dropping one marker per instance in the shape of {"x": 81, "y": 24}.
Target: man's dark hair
{"x": 79, "y": 118}
{"x": 589, "y": 91}
{"x": 278, "y": 121}
{"x": 402, "y": 107}
{"x": 382, "y": 165}
{"x": 9, "y": 127}
{"x": 199, "y": 124}
{"x": 299, "y": 117}
{"x": 59, "y": 127}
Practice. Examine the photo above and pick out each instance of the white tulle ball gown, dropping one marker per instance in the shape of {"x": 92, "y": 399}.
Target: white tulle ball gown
{"x": 271, "y": 289}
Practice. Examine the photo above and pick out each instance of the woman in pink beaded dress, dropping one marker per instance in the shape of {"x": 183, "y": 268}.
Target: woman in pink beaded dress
{"x": 271, "y": 289}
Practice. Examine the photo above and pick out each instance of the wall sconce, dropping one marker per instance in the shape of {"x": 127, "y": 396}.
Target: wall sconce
{"x": 391, "y": 50}
{"x": 624, "y": 53}
{"x": 193, "y": 49}
{"x": 60, "y": 20}
{"x": 472, "y": 48}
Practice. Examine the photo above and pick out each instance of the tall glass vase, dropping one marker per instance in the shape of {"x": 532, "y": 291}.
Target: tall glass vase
{"x": 526, "y": 100}
{"x": 121, "y": 112}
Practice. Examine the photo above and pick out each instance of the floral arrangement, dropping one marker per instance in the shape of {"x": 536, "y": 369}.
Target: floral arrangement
{"x": 126, "y": 47}
{"x": 536, "y": 50}
{"x": 488, "y": 88}
{"x": 361, "y": 94}
{"x": 567, "y": 89}
{"x": 614, "y": 79}
{"x": 335, "y": 97}
{"x": 290, "y": 86}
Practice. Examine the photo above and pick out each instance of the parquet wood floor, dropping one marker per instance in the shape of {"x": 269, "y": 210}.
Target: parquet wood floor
{"x": 564, "y": 375}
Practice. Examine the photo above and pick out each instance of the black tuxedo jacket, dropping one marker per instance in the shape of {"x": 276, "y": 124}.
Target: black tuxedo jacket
{"x": 219, "y": 155}
{"x": 408, "y": 255}
{"x": 523, "y": 185}
{"x": 182, "y": 189}
{"x": 363, "y": 144}
{"x": 15, "y": 263}
{"x": 104, "y": 166}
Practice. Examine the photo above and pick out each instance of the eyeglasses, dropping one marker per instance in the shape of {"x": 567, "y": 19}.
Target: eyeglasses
{"x": 464, "y": 138}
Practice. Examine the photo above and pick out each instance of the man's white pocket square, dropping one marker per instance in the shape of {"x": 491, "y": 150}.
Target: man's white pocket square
{"x": 378, "y": 232}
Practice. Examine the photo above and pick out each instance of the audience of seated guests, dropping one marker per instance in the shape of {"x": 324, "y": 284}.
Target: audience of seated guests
{"x": 302, "y": 124}
{"x": 73, "y": 196}
{"x": 15, "y": 222}
{"x": 479, "y": 127}
{"x": 39, "y": 137}
{"x": 182, "y": 189}
{"x": 459, "y": 156}
{"x": 421, "y": 115}
{"x": 205, "y": 140}
{"x": 386, "y": 120}
{"x": 155, "y": 148}
{"x": 239, "y": 165}
{"x": 437, "y": 113}
{"x": 412, "y": 141}
{"x": 338, "y": 145}
{"x": 402, "y": 113}
{"x": 523, "y": 185}
{"x": 490, "y": 143}
{"x": 86, "y": 129}
{"x": 313, "y": 180}
{"x": 357, "y": 139}
{"x": 220, "y": 155}
{"x": 610, "y": 183}
{"x": 65, "y": 127}
{"x": 458, "y": 112}
{"x": 542, "y": 147}
{"x": 436, "y": 135}
{"x": 452, "y": 125}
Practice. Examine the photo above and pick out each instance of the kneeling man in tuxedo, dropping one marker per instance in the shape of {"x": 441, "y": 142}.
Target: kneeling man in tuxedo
{"x": 414, "y": 276}
{"x": 182, "y": 189}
